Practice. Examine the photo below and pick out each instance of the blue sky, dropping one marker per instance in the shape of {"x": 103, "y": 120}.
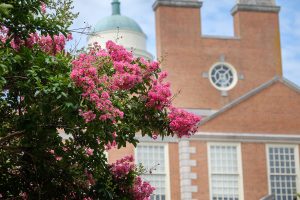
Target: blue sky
{"x": 216, "y": 20}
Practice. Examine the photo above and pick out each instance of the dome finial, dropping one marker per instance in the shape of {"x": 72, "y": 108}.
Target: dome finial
{"x": 115, "y": 7}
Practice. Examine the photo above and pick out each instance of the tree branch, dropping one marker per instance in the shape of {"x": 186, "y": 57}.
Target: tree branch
{"x": 16, "y": 77}
{"x": 11, "y": 136}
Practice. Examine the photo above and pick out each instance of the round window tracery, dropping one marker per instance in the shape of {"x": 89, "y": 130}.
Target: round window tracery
{"x": 223, "y": 76}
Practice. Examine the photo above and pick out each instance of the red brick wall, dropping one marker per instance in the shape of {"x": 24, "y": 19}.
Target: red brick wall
{"x": 116, "y": 154}
{"x": 274, "y": 110}
{"x": 255, "y": 174}
{"x": 186, "y": 54}
{"x": 174, "y": 171}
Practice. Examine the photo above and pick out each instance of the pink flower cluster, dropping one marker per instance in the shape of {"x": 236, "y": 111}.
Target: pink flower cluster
{"x": 122, "y": 167}
{"x": 149, "y": 66}
{"x": 101, "y": 73}
{"x": 95, "y": 87}
{"x": 52, "y": 45}
{"x": 118, "y": 53}
{"x": 142, "y": 190}
{"x": 89, "y": 151}
{"x": 126, "y": 75}
{"x": 48, "y": 44}
{"x": 88, "y": 116}
{"x": 128, "y": 72}
{"x": 182, "y": 122}
{"x": 112, "y": 144}
{"x": 160, "y": 93}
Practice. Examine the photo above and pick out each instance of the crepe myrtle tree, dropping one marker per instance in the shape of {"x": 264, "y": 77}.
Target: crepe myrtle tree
{"x": 100, "y": 98}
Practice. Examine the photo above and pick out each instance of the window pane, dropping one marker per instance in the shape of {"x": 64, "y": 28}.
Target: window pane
{"x": 153, "y": 159}
{"x": 224, "y": 172}
{"x": 283, "y": 173}
{"x": 225, "y": 186}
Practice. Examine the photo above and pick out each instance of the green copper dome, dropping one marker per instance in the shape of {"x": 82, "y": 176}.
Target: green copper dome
{"x": 117, "y": 21}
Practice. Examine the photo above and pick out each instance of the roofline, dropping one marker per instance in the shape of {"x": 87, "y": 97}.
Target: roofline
{"x": 290, "y": 84}
{"x": 251, "y": 93}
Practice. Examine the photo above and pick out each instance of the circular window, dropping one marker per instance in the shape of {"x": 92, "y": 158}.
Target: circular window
{"x": 223, "y": 76}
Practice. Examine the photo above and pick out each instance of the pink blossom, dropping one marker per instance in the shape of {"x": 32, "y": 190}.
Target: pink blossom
{"x": 118, "y": 53}
{"x": 32, "y": 40}
{"x": 69, "y": 36}
{"x": 153, "y": 66}
{"x": 89, "y": 151}
{"x": 45, "y": 43}
{"x": 127, "y": 75}
{"x": 58, "y": 158}
{"x": 96, "y": 88}
{"x": 183, "y": 123}
{"x": 88, "y": 116}
{"x": 111, "y": 145}
{"x": 154, "y": 136}
{"x": 160, "y": 93}
{"x": 15, "y": 44}
{"x": 142, "y": 189}
{"x": 43, "y": 7}
{"x": 122, "y": 167}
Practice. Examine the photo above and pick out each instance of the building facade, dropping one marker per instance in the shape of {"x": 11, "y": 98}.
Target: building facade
{"x": 248, "y": 143}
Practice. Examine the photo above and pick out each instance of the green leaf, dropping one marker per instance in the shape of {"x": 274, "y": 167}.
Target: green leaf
{"x": 36, "y": 93}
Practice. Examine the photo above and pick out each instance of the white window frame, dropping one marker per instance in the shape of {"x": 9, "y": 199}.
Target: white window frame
{"x": 167, "y": 166}
{"x": 296, "y": 149}
{"x": 234, "y": 73}
{"x": 239, "y": 164}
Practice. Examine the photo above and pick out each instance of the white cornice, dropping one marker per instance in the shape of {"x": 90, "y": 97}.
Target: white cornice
{"x": 177, "y": 3}
{"x": 229, "y": 137}
{"x": 255, "y": 8}
{"x": 247, "y": 137}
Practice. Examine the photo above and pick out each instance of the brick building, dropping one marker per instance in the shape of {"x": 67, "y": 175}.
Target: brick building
{"x": 247, "y": 145}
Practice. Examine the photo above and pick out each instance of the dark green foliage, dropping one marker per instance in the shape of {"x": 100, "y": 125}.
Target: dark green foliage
{"x": 38, "y": 99}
